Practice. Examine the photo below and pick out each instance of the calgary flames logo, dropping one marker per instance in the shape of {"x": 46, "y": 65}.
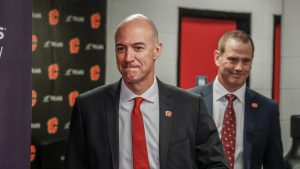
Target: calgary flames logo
{"x": 53, "y": 17}
{"x": 95, "y": 72}
{"x": 74, "y": 45}
{"x": 32, "y": 153}
{"x": 53, "y": 71}
{"x": 95, "y": 20}
{"x": 72, "y": 97}
{"x": 52, "y": 125}
{"x": 34, "y": 42}
{"x": 33, "y": 98}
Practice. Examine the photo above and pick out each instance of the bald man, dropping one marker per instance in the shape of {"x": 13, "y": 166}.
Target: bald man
{"x": 140, "y": 122}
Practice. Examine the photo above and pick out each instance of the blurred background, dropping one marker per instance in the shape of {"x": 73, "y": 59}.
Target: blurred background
{"x": 73, "y": 51}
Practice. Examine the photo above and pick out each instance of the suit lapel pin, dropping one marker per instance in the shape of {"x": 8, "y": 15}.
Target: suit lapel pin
{"x": 168, "y": 113}
{"x": 254, "y": 105}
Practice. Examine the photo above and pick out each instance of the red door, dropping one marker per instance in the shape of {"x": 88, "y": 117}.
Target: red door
{"x": 199, "y": 39}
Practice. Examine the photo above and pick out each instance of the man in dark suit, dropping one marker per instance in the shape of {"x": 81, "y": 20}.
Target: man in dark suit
{"x": 168, "y": 128}
{"x": 254, "y": 122}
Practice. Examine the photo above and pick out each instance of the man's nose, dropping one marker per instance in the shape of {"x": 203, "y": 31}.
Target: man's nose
{"x": 239, "y": 65}
{"x": 129, "y": 55}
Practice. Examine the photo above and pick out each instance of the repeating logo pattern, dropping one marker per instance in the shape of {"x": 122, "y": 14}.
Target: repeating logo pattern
{"x": 32, "y": 152}
{"x": 34, "y": 98}
{"x": 34, "y": 42}
{"x": 53, "y": 17}
{"x": 95, "y": 20}
{"x": 74, "y": 45}
{"x": 68, "y": 58}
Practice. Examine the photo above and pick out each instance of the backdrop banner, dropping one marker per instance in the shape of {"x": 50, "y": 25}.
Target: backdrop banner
{"x": 15, "y": 83}
{"x": 68, "y": 58}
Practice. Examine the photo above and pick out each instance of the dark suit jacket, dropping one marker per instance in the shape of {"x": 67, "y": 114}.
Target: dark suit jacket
{"x": 187, "y": 140}
{"x": 262, "y": 138}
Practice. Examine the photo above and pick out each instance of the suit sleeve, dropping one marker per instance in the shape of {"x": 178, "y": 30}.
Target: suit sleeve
{"x": 209, "y": 149}
{"x": 273, "y": 157}
{"x": 76, "y": 154}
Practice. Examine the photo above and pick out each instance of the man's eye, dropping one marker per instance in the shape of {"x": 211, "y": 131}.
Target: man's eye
{"x": 138, "y": 48}
{"x": 120, "y": 49}
{"x": 232, "y": 59}
{"x": 247, "y": 60}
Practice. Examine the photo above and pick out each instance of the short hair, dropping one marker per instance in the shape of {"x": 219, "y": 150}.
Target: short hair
{"x": 238, "y": 35}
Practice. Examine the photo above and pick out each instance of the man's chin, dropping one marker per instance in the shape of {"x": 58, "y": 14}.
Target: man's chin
{"x": 130, "y": 79}
{"x": 237, "y": 83}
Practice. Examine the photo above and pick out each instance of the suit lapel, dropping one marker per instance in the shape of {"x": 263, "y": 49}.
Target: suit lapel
{"x": 112, "y": 117}
{"x": 249, "y": 121}
{"x": 165, "y": 123}
{"x": 207, "y": 94}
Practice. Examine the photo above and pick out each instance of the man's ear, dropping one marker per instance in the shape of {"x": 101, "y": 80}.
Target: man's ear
{"x": 157, "y": 50}
{"x": 217, "y": 57}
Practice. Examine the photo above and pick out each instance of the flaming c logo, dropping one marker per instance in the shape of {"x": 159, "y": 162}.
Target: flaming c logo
{"x": 74, "y": 45}
{"x": 53, "y": 71}
{"x": 53, "y": 17}
{"x": 32, "y": 153}
{"x": 95, "y": 20}
{"x": 95, "y": 72}
{"x": 72, "y": 97}
{"x": 33, "y": 98}
{"x": 52, "y": 125}
{"x": 34, "y": 42}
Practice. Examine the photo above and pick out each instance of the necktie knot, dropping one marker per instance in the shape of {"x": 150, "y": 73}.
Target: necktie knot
{"x": 230, "y": 97}
{"x": 138, "y": 101}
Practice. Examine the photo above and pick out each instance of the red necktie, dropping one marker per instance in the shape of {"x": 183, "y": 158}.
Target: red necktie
{"x": 229, "y": 130}
{"x": 139, "y": 147}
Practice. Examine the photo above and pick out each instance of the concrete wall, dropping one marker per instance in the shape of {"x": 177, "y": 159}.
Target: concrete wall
{"x": 290, "y": 61}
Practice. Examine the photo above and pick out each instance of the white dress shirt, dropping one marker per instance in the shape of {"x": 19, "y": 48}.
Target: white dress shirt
{"x": 219, "y": 105}
{"x": 150, "y": 112}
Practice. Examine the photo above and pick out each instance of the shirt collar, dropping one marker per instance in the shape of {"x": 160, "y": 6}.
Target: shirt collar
{"x": 150, "y": 94}
{"x": 220, "y": 91}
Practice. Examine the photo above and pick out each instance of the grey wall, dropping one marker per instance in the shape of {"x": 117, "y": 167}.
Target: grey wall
{"x": 290, "y": 61}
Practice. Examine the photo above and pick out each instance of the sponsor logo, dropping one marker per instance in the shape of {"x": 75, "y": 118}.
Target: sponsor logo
{"x": 53, "y": 17}
{"x": 53, "y": 44}
{"x": 35, "y": 125}
{"x": 72, "y": 18}
{"x": 34, "y": 42}
{"x": 53, "y": 71}
{"x": 33, "y": 98}
{"x": 36, "y": 15}
{"x": 74, "y": 45}
{"x": 32, "y": 152}
{"x": 77, "y": 72}
{"x": 36, "y": 70}
{"x": 95, "y": 73}
{"x": 92, "y": 46}
{"x": 67, "y": 126}
{"x": 72, "y": 97}
{"x": 52, "y": 124}
{"x": 95, "y": 20}
{"x": 52, "y": 98}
